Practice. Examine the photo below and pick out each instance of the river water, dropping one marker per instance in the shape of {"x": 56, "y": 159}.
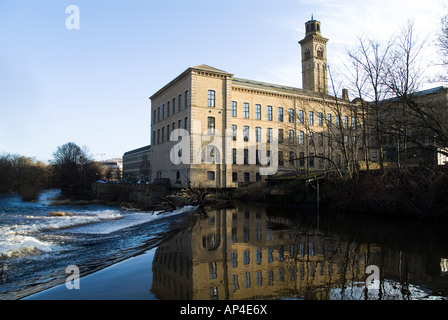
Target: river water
{"x": 249, "y": 251}
{"x": 39, "y": 241}
{"x": 258, "y": 252}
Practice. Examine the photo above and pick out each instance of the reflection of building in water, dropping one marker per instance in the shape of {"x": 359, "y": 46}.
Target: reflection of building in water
{"x": 244, "y": 254}
{"x": 172, "y": 268}
{"x": 444, "y": 265}
{"x": 248, "y": 253}
{"x": 267, "y": 259}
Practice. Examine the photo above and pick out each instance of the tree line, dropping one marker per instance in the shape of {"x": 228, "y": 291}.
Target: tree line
{"x": 72, "y": 170}
{"x": 24, "y": 175}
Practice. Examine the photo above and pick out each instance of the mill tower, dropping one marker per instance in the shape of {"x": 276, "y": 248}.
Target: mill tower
{"x": 314, "y": 58}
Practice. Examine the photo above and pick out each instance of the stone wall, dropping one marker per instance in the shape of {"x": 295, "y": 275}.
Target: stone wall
{"x": 139, "y": 195}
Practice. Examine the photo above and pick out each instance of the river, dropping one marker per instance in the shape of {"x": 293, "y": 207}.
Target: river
{"x": 260, "y": 252}
{"x": 39, "y": 241}
{"x": 249, "y": 251}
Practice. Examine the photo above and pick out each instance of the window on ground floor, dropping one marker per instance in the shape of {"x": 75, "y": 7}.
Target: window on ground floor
{"x": 210, "y": 175}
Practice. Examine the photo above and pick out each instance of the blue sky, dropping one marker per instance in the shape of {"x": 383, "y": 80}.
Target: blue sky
{"x": 91, "y": 86}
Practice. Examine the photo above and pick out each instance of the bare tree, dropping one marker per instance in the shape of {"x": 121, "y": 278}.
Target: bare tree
{"x": 327, "y": 131}
{"x": 358, "y": 80}
{"x": 145, "y": 168}
{"x": 443, "y": 43}
{"x": 403, "y": 76}
{"x": 74, "y": 168}
{"x": 370, "y": 59}
{"x": 418, "y": 121}
{"x": 345, "y": 131}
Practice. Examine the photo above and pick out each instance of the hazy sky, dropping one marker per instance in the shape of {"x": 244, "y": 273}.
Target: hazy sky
{"x": 92, "y": 86}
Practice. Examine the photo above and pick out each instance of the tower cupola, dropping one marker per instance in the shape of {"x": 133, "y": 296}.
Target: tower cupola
{"x": 312, "y": 26}
{"x": 314, "y": 58}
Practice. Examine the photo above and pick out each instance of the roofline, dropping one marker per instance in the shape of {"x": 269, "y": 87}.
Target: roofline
{"x": 170, "y": 83}
{"x": 267, "y": 84}
{"x": 145, "y": 148}
{"x": 416, "y": 94}
{"x": 186, "y": 72}
{"x": 239, "y": 82}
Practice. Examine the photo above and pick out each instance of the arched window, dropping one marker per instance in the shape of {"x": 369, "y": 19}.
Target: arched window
{"x": 210, "y": 155}
{"x": 320, "y": 52}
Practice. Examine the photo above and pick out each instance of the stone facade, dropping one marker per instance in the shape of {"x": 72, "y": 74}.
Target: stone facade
{"x": 314, "y": 58}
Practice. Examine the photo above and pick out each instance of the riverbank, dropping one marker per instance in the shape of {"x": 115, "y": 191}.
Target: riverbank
{"x": 416, "y": 192}
{"x": 419, "y": 194}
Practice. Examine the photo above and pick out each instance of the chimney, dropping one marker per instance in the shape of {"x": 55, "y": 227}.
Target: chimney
{"x": 344, "y": 94}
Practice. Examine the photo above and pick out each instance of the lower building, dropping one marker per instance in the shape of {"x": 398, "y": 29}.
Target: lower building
{"x": 415, "y": 131}
{"x": 113, "y": 169}
{"x": 136, "y": 165}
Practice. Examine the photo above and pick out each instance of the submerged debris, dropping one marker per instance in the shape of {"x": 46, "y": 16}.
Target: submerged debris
{"x": 60, "y": 213}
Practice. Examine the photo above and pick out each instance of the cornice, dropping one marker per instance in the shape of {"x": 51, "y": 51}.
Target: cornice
{"x": 303, "y": 96}
{"x": 211, "y": 74}
{"x": 315, "y": 38}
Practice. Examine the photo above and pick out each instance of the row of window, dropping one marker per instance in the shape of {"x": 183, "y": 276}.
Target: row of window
{"x": 211, "y": 127}
{"x": 282, "y": 255}
{"x": 164, "y": 110}
{"x": 313, "y": 118}
{"x": 291, "y": 136}
{"x": 321, "y": 267}
{"x": 211, "y": 155}
{"x": 160, "y": 137}
{"x": 281, "y": 160}
{"x": 260, "y": 280}
{"x": 235, "y": 178}
{"x": 280, "y": 114}
{"x": 258, "y": 112}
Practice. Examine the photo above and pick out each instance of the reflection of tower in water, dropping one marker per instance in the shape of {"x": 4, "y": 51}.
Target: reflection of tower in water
{"x": 247, "y": 253}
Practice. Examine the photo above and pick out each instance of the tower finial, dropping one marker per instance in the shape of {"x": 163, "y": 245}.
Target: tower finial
{"x": 312, "y": 16}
